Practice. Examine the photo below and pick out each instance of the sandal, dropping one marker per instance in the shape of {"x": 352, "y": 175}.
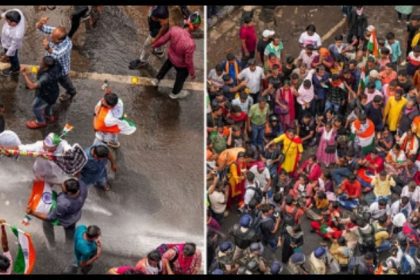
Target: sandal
{"x": 33, "y": 124}
{"x": 107, "y": 187}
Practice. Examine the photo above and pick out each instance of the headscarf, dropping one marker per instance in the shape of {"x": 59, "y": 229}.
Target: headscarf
{"x": 324, "y": 52}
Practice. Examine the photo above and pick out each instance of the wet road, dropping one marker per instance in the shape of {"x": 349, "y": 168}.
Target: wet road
{"x": 157, "y": 191}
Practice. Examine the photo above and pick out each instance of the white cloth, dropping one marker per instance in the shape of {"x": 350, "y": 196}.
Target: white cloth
{"x": 9, "y": 139}
{"x": 262, "y": 178}
{"x": 313, "y": 40}
{"x": 414, "y": 196}
{"x": 12, "y": 37}
{"x": 306, "y": 95}
{"x": 376, "y": 212}
{"x": 218, "y": 202}
{"x": 213, "y": 77}
{"x": 253, "y": 78}
{"x": 306, "y": 59}
{"x": 45, "y": 169}
{"x": 244, "y": 106}
{"x": 395, "y": 208}
{"x": 249, "y": 193}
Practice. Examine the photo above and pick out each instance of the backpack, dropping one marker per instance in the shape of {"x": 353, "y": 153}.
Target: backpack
{"x": 368, "y": 238}
{"x": 258, "y": 194}
{"x": 243, "y": 239}
{"x": 289, "y": 218}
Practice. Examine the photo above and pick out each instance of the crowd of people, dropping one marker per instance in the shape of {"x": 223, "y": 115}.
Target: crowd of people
{"x": 326, "y": 142}
{"x": 109, "y": 121}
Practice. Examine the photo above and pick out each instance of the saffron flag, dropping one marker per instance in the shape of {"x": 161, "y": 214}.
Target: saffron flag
{"x": 25, "y": 259}
{"x": 43, "y": 199}
{"x": 372, "y": 45}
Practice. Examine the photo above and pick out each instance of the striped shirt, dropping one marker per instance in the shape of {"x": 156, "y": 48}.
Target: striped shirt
{"x": 61, "y": 51}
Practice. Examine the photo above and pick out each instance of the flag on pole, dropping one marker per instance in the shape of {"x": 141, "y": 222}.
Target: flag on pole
{"x": 43, "y": 199}
{"x": 372, "y": 45}
{"x": 25, "y": 259}
{"x": 67, "y": 128}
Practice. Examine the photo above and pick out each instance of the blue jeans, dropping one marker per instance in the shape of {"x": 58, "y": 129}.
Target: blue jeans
{"x": 14, "y": 61}
{"x": 41, "y": 109}
{"x": 330, "y": 105}
{"x": 338, "y": 174}
{"x": 347, "y": 203}
{"x": 257, "y": 135}
{"x": 385, "y": 246}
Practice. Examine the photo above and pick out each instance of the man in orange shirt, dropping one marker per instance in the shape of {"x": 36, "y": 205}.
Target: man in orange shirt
{"x": 349, "y": 193}
{"x": 388, "y": 74}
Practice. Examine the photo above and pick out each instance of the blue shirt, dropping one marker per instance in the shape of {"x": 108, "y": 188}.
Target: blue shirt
{"x": 396, "y": 50}
{"x": 95, "y": 169}
{"x": 61, "y": 51}
{"x": 83, "y": 249}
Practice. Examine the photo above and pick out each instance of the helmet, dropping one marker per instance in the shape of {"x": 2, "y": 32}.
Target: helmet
{"x": 276, "y": 268}
{"x": 319, "y": 252}
{"x": 298, "y": 258}
{"x": 273, "y": 118}
{"x": 217, "y": 271}
{"x": 255, "y": 247}
{"x": 226, "y": 246}
{"x": 245, "y": 220}
{"x": 194, "y": 21}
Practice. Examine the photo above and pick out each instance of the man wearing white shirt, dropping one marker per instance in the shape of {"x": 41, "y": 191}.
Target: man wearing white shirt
{"x": 253, "y": 74}
{"x": 262, "y": 175}
{"x": 401, "y": 206}
{"x": 379, "y": 208}
{"x": 244, "y": 101}
{"x": 412, "y": 191}
{"x": 307, "y": 55}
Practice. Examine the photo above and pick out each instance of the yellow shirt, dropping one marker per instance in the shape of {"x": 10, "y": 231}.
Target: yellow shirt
{"x": 393, "y": 110}
{"x": 291, "y": 150}
{"x": 382, "y": 188}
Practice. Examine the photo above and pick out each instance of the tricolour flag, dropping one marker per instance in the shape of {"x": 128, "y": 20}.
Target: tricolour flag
{"x": 127, "y": 126}
{"x": 25, "y": 259}
{"x": 372, "y": 45}
{"x": 43, "y": 199}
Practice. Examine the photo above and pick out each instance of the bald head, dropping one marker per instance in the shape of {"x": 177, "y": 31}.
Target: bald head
{"x": 58, "y": 34}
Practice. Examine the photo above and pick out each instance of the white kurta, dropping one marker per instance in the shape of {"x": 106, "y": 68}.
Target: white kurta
{"x": 12, "y": 37}
{"x": 45, "y": 169}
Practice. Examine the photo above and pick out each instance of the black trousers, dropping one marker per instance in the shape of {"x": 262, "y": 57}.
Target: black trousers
{"x": 181, "y": 75}
{"x": 67, "y": 84}
{"x": 75, "y": 21}
{"x": 48, "y": 229}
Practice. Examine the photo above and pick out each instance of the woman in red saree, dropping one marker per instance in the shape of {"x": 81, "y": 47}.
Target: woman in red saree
{"x": 285, "y": 105}
{"x": 184, "y": 259}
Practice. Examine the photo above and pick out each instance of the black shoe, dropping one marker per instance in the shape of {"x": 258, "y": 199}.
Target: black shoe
{"x": 9, "y": 72}
{"x": 136, "y": 64}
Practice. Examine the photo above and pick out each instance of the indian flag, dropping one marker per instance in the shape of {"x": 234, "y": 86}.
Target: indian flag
{"x": 25, "y": 259}
{"x": 43, "y": 199}
{"x": 127, "y": 126}
{"x": 362, "y": 84}
{"x": 365, "y": 134}
{"x": 372, "y": 45}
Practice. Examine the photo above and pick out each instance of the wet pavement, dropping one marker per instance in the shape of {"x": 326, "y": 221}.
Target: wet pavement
{"x": 157, "y": 192}
{"x": 290, "y": 22}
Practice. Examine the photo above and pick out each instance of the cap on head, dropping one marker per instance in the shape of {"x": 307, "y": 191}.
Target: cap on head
{"x": 52, "y": 140}
{"x": 298, "y": 258}
{"x": 226, "y": 246}
{"x": 374, "y": 74}
{"x": 255, "y": 247}
{"x": 268, "y": 33}
{"x": 276, "y": 268}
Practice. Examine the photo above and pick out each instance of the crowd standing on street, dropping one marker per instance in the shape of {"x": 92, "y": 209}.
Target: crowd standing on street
{"x": 327, "y": 141}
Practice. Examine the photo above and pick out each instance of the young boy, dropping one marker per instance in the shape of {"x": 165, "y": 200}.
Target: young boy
{"x": 108, "y": 120}
{"x": 395, "y": 46}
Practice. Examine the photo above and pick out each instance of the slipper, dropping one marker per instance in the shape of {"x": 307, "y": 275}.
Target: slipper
{"x": 33, "y": 124}
{"x": 107, "y": 187}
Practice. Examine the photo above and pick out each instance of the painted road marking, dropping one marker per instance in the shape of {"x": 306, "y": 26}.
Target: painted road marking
{"x": 132, "y": 80}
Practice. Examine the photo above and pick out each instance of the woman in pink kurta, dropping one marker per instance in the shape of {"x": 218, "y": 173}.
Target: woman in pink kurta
{"x": 285, "y": 97}
{"x": 328, "y": 134}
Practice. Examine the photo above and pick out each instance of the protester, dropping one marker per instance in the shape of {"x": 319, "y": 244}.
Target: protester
{"x": 12, "y": 38}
